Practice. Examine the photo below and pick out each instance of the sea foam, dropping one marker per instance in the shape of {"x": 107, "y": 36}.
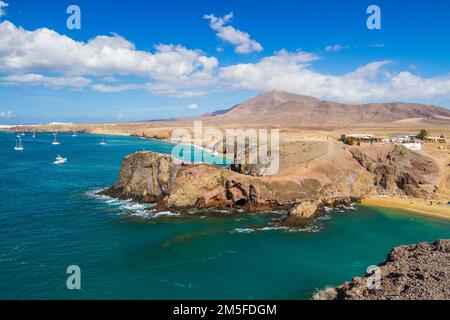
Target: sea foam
{"x": 131, "y": 208}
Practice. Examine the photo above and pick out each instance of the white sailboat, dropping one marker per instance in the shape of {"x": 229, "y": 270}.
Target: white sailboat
{"x": 34, "y": 133}
{"x": 103, "y": 142}
{"x": 19, "y": 144}
{"x": 60, "y": 160}
{"x": 74, "y": 134}
{"x": 55, "y": 140}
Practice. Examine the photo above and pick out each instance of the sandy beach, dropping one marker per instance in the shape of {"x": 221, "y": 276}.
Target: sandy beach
{"x": 414, "y": 205}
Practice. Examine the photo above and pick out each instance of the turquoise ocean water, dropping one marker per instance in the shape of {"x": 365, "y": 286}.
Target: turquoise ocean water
{"x": 50, "y": 219}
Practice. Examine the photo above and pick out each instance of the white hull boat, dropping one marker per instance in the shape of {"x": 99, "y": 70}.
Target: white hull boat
{"x": 19, "y": 144}
{"x": 60, "y": 160}
{"x": 55, "y": 141}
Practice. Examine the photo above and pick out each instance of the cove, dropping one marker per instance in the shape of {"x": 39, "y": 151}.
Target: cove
{"x": 49, "y": 220}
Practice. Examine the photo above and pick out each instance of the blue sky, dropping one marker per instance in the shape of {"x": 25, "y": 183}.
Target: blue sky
{"x": 162, "y": 59}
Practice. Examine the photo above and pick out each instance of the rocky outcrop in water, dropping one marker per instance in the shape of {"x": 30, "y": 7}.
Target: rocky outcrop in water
{"x": 416, "y": 272}
{"x": 305, "y": 210}
{"x": 152, "y": 177}
{"x": 145, "y": 177}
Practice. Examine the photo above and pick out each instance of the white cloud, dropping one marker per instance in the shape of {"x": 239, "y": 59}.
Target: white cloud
{"x": 115, "y": 89}
{"x": 335, "y": 47}
{"x": 7, "y": 115}
{"x": 44, "y": 57}
{"x": 3, "y": 5}
{"x": 292, "y": 72}
{"x": 239, "y": 39}
{"x": 33, "y": 79}
{"x": 158, "y": 89}
{"x": 46, "y": 51}
{"x": 193, "y": 106}
{"x": 194, "y": 87}
{"x": 370, "y": 70}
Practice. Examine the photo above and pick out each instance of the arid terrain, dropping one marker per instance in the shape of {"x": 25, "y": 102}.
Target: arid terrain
{"x": 295, "y": 113}
{"x": 317, "y": 170}
{"x": 314, "y": 164}
{"x": 287, "y": 109}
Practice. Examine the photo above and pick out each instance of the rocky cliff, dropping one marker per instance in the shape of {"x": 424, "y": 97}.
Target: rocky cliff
{"x": 152, "y": 177}
{"x": 346, "y": 175}
{"x": 398, "y": 170}
{"x": 416, "y": 272}
{"x": 145, "y": 177}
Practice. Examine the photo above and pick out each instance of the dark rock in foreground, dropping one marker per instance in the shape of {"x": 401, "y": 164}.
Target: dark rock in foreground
{"x": 416, "y": 272}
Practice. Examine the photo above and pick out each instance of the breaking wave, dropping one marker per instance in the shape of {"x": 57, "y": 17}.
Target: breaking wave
{"x": 152, "y": 214}
{"x": 317, "y": 226}
{"x": 310, "y": 229}
{"x": 129, "y": 207}
{"x": 341, "y": 208}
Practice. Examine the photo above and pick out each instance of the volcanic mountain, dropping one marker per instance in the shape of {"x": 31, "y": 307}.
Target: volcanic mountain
{"x": 284, "y": 108}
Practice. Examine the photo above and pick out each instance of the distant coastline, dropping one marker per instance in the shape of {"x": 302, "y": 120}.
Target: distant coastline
{"x": 418, "y": 206}
{"x": 316, "y": 164}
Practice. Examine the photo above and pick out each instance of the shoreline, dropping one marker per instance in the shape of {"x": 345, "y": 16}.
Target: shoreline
{"x": 412, "y": 205}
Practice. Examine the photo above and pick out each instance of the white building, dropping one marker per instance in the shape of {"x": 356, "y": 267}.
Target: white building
{"x": 415, "y": 146}
{"x": 402, "y": 139}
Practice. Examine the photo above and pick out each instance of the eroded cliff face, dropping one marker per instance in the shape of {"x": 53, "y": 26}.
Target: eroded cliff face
{"x": 398, "y": 170}
{"x": 204, "y": 186}
{"x": 145, "y": 177}
{"x": 152, "y": 177}
{"x": 341, "y": 177}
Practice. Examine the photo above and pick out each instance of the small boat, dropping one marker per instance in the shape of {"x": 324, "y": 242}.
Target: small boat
{"x": 34, "y": 134}
{"x": 74, "y": 134}
{"x": 19, "y": 145}
{"x": 103, "y": 142}
{"x": 55, "y": 140}
{"x": 23, "y": 133}
{"x": 60, "y": 160}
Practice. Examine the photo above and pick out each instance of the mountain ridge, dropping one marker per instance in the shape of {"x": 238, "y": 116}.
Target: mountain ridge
{"x": 285, "y": 108}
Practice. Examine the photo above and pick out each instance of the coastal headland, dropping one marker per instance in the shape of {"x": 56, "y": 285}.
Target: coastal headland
{"x": 316, "y": 170}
